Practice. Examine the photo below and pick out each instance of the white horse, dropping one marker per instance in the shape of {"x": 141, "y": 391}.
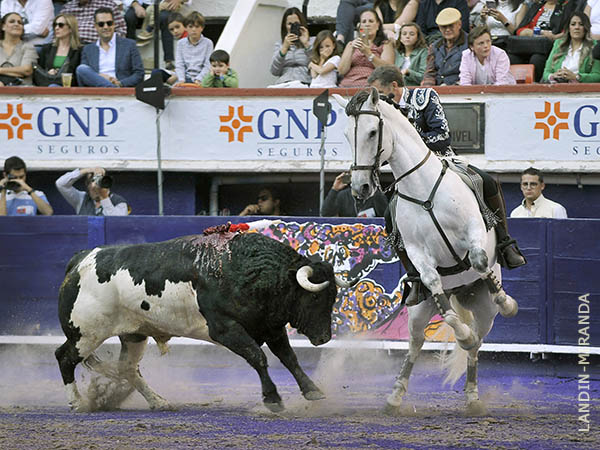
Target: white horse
{"x": 428, "y": 193}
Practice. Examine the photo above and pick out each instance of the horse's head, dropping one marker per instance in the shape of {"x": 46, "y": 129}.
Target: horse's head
{"x": 369, "y": 143}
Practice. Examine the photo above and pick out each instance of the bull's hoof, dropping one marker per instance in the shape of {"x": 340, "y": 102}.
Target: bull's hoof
{"x": 314, "y": 395}
{"x": 274, "y": 407}
{"x": 476, "y": 408}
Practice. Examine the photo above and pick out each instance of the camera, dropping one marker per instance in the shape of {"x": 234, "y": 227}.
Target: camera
{"x": 12, "y": 185}
{"x": 295, "y": 28}
{"x": 347, "y": 178}
{"x": 103, "y": 181}
{"x": 490, "y": 4}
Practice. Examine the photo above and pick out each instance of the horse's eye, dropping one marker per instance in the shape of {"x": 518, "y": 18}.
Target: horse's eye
{"x": 372, "y": 134}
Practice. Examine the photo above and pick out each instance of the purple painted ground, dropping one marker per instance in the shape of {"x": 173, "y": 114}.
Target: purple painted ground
{"x": 531, "y": 404}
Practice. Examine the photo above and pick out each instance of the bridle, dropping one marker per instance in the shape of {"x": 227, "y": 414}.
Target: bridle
{"x": 374, "y": 168}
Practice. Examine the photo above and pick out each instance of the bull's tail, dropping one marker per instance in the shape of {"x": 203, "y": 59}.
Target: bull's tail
{"x": 455, "y": 364}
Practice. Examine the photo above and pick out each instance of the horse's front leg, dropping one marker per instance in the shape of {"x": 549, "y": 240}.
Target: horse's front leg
{"x": 474, "y": 406}
{"x": 418, "y": 318}
{"x": 431, "y": 278}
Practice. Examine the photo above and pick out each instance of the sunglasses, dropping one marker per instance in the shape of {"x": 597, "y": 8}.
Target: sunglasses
{"x": 108, "y": 23}
{"x": 60, "y": 24}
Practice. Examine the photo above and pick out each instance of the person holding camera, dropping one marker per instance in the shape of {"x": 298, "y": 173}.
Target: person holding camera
{"x": 292, "y": 55}
{"x": 17, "y": 198}
{"x": 340, "y": 201}
{"x": 98, "y": 200}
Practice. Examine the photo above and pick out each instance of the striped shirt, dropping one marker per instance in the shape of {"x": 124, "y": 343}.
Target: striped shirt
{"x": 85, "y": 18}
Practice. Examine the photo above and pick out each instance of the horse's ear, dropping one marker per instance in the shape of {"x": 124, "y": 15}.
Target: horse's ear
{"x": 374, "y": 96}
{"x": 341, "y": 100}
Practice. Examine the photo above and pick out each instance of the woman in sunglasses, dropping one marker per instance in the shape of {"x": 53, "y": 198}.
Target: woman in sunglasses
{"x": 62, "y": 55}
{"x": 16, "y": 57}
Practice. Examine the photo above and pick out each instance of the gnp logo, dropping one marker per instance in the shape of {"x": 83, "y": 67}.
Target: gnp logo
{"x": 272, "y": 124}
{"x": 18, "y": 122}
{"x": 55, "y": 122}
{"x": 553, "y": 119}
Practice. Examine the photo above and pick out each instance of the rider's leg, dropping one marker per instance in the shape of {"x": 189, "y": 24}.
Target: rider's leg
{"x": 511, "y": 256}
{"x": 417, "y": 292}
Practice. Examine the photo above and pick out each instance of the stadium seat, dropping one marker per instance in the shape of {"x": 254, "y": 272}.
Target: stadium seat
{"x": 523, "y": 73}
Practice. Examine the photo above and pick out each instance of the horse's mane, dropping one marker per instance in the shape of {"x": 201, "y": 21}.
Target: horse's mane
{"x": 356, "y": 102}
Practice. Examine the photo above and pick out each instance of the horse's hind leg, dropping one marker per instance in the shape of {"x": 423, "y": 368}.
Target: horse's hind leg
{"x": 132, "y": 351}
{"x": 418, "y": 318}
{"x": 474, "y": 406}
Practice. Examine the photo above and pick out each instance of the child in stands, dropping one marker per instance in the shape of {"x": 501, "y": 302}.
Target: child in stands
{"x": 324, "y": 61}
{"x": 192, "y": 62}
{"x": 177, "y": 29}
{"x": 220, "y": 75}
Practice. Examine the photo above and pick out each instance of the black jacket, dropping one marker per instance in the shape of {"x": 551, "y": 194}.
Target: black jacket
{"x": 46, "y": 60}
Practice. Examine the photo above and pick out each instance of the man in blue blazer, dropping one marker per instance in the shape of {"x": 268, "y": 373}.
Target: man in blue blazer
{"x": 112, "y": 61}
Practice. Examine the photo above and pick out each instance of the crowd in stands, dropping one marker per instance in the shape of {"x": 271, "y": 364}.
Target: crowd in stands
{"x": 434, "y": 43}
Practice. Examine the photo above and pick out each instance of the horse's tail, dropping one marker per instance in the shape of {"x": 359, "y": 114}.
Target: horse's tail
{"x": 456, "y": 364}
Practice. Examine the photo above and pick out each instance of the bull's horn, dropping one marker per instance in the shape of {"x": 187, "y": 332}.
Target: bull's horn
{"x": 340, "y": 282}
{"x": 302, "y": 277}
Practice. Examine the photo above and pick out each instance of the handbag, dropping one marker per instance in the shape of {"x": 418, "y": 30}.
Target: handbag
{"x": 9, "y": 80}
{"x": 41, "y": 77}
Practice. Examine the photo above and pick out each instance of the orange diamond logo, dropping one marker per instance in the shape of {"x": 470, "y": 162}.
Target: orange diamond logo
{"x": 15, "y": 121}
{"x": 550, "y": 124}
{"x": 234, "y": 129}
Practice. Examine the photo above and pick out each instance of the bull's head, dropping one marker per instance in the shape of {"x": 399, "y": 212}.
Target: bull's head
{"x": 315, "y": 302}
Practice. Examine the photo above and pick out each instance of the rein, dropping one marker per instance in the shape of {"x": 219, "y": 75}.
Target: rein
{"x": 427, "y": 205}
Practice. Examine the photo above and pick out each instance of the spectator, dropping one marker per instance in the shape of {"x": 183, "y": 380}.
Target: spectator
{"x": 362, "y": 55}
{"x": 16, "y": 57}
{"x": 220, "y": 75}
{"x": 63, "y": 54}
{"x": 98, "y": 200}
{"x": 340, "y": 201}
{"x": 325, "y": 61}
{"x": 411, "y": 54}
{"x": 551, "y": 17}
{"x": 113, "y": 61}
{"x": 394, "y": 14}
{"x": 37, "y": 17}
{"x": 268, "y": 204}
{"x": 444, "y": 56}
{"x": 592, "y": 10}
{"x": 192, "y": 61}
{"x": 501, "y": 19}
{"x": 140, "y": 14}
{"x": 534, "y": 204}
{"x": 17, "y": 197}
{"x": 292, "y": 55}
{"x": 429, "y": 11}
{"x": 84, "y": 12}
{"x": 422, "y": 106}
{"x": 177, "y": 29}
{"x": 484, "y": 63}
{"x": 570, "y": 59}
{"x": 348, "y": 13}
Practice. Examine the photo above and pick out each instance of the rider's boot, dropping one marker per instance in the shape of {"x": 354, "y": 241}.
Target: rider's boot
{"x": 509, "y": 255}
{"x": 415, "y": 294}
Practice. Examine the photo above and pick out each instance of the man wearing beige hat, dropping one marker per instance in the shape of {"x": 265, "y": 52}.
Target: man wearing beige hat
{"x": 443, "y": 59}
{"x": 429, "y": 10}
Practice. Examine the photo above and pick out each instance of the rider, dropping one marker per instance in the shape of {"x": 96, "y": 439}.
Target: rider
{"x": 423, "y": 108}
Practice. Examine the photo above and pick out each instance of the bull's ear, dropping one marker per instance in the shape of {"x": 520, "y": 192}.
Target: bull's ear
{"x": 374, "y": 96}
{"x": 341, "y": 100}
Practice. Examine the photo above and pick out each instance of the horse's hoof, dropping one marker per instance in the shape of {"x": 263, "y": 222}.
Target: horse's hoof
{"x": 314, "y": 395}
{"x": 509, "y": 307}
{"x": 476, "y": 408}
{"x": 274, "y": 407}
{"x": 391, "y": 410}
{"x": 161, "y": 405}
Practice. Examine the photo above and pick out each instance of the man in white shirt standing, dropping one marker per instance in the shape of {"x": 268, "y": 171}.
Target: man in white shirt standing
{"x": 37, "y": 17}
{"x": 534, "y": 204}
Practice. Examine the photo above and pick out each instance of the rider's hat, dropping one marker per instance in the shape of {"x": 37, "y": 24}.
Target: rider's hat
{"x": 448, "y": 16}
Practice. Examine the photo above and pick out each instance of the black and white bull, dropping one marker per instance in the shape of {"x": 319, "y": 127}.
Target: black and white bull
{"x": 237, "y": 290}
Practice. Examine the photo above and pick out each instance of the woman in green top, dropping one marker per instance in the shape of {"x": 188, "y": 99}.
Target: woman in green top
{"x": 411, "y": 54}
{"x": 570, "y": 60}
{"x": 63, "y": 54}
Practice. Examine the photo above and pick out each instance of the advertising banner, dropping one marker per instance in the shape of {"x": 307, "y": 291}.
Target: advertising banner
{"x": 559, "y": 129}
